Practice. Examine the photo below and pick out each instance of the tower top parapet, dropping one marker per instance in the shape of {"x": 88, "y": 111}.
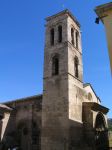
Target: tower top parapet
{"x": 67, "y": 12}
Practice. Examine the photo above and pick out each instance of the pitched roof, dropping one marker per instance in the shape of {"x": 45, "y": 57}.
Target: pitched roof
{"x": 88, "y": 84}
{"x": 24, "y": 99}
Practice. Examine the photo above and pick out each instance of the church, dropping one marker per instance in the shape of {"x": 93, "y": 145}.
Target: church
{"x": 68, "y": 115}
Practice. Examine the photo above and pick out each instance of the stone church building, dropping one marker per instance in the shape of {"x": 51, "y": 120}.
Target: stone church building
{"x": 68, "y": 115}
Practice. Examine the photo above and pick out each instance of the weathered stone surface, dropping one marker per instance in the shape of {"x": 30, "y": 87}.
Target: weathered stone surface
{"x": 68, "y": 116}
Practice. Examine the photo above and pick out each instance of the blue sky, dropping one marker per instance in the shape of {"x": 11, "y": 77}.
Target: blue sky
{"x": 22, "y": 28}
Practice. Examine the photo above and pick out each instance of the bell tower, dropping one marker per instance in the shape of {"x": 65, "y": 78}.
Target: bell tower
{"x": 63, "y": 72}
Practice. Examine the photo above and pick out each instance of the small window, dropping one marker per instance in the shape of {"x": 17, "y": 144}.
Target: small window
{"x": 76, "y": 64}
{"x": 52, "y": 36}
{"x": 77, "y": 39}
{"x": 60, "y": 34}
{"x": 55, "y": 65}
{"x": 72, "y": 36}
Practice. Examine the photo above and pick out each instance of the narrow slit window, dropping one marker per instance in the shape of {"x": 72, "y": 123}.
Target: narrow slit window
{"x": 52, "y": 36}
{"x": 72, "y": 36}
{"x": 76, "y": 65}
{"x": 60, "y": 34}
{"x": 77, "y": 39}
{"x": 55, "y": 65}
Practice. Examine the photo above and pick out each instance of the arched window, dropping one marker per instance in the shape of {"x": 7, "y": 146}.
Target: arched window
{"x": 55, "y": 65}
{"x": 76, "y": 64}
{"x": 60, "y": 34}
{"x": 100, "y": 123}
{"x": 72, "y": 36}
{"x": 52, "y": 36}
{"x": 77, "y": 39}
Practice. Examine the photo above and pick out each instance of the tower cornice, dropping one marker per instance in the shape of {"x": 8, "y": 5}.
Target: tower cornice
{"x": 67, "y": 12}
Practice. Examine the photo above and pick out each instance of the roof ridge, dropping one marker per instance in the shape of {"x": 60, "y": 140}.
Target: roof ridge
{"x": 22, "y": 99}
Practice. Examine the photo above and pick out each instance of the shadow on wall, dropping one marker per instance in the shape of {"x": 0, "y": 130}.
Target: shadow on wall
{"x": 23, "y": 136}
{"x": 9, "y": 138}
{"x": 76, "y": 139}
{"x": 95, "y": 128}
{"x": 26, "y": 134}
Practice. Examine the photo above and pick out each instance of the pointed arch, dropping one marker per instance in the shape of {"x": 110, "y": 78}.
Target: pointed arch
{"x": 101, "y": 133}
{"x": 100, "y": 121}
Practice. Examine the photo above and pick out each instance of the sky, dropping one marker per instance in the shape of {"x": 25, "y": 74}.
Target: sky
{"x": 22, "y": 37}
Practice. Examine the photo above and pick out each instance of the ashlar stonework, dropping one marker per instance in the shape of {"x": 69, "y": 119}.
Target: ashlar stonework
{"x": 68, "y": 115}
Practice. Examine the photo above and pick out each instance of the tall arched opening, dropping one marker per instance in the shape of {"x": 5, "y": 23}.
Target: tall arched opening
{"x": 101, "y": 133}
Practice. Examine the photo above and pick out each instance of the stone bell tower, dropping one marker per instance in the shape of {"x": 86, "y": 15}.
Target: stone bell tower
{"x": 63, "y": 71}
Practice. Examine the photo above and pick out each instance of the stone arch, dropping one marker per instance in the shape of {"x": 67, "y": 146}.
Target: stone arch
{"x": 101, "y": 133}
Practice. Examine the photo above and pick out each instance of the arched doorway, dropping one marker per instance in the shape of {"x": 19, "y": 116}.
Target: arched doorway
{"x": 101, "y": 133}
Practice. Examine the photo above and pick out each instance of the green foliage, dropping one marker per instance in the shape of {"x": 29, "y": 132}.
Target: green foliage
{"x": 110, "y": 128}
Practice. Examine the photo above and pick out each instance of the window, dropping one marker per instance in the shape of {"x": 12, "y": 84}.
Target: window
{"x": 77, "y": 39}
{"x": 52, "y": 36}
{"x": 60, "y": 34}
{"x": 72, "y": 36}
{"x": 55, "y": 65}
{"x": 76, "y": 63}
